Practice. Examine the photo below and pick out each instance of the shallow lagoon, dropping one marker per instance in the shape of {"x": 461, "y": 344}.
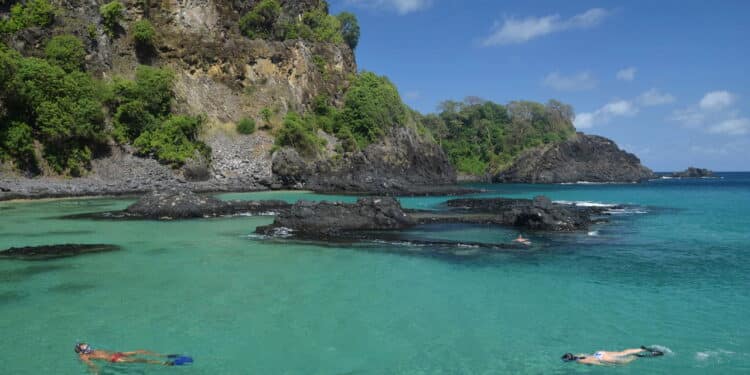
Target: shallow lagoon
{"x": 676, "y": 275}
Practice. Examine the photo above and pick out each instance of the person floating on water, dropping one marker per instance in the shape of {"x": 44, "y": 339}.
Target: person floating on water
{"x": 521, "y": 240}
{"x": 603, "y": 358}
{"x": 88, "y": 354}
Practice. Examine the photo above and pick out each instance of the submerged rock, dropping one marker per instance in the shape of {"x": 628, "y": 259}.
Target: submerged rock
{"x": 693, "y": 172}
{"x": 584, "y": 157}
{"x": 47, "y": 252}
{"x": 333, "y": 218}
{"x": 184, "y": 204}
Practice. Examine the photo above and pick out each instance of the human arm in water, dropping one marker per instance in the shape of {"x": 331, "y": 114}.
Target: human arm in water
{"x": 91, "y": 365}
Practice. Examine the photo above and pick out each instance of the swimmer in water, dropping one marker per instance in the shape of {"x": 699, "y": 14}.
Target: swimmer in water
{"x": 87, "y": 354}
{"x": 604, "y": 358}
{"x": 522, "y": 240}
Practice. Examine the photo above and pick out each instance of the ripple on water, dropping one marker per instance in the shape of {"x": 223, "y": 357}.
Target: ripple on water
{"x": 70, "y": 288}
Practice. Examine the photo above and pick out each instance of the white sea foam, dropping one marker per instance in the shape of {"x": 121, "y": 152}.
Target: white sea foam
{"x": 593, "y": 233}
{"x": 708, "y": 354}
{"x": 586, "y": 204}
{"x": 626, "y": 211}
{"x": 398, "y": 243}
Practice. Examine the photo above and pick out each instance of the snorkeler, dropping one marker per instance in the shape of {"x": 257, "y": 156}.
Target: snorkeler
{"x": 602, "y": 358}
{"x": 89, "y": 354}
{"x": 522, "y": 240}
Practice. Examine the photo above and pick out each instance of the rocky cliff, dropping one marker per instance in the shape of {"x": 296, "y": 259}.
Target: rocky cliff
{"x": 219, "y": 73}
{"x": 582, "y": 158}
{"x": 401, "y": 163}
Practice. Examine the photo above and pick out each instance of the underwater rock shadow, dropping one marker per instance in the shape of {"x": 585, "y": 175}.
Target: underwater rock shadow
{"x": 50, "y": 252}
{"x": 21, "y": 274}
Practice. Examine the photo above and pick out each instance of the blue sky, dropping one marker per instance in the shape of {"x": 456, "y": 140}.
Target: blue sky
{"x": 667, "y": 80}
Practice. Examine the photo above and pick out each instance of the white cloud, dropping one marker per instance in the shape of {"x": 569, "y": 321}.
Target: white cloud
{"x": 617, "y": 108}
{"x": 578, "y": 82}
{"x": 519, "y": 30}
{"x": 655, "y": 97}
{"x": 714, "y": 114}
{"x": 622, "y": 108}
{"x": 400, "y": 6}
{"x": 735, "y": 126}
{"x": 627, "y": 74}
{"x": 689, "y": 117}
{"x": 584, "y": 120}
{"x": 716, "y": 100}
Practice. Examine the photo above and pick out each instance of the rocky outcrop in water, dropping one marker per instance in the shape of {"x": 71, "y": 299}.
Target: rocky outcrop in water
{"x": 183, "y": 204}
{"x": 535, "y": 214}
{"x": 48, "y": 252}
{"x": 400, "y": 164}
{"x": 693, "y": 172}
{"x": 326, "y": 219}
{"x": 584, "y": 157}
{"x": 323, "y": 219}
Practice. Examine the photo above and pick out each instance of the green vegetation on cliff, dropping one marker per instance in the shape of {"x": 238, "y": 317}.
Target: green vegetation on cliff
{"x": 111, "y": 14}
{"x": 266, "y": 21}
{"x": 53, "y": 106}
{"x": 484, "y": 137}
{"x": 372, "y": 105}
{"x": 27, "y": 14}
{"x": 67, "y": 52}
{"x": 59, "y": 109}
{"x": 143, "y": 33}
{"x": 142, "y": 109}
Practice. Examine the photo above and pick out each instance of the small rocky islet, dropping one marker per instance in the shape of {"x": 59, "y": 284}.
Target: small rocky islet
{"x": 693, "y": 172}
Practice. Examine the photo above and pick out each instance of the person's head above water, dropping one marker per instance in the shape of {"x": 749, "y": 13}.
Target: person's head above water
{"x": 83, "y": 348}
{"x": 569, "y": 357}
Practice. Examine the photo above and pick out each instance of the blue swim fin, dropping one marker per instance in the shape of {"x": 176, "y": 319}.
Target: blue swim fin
{"x": 182, "y": 360}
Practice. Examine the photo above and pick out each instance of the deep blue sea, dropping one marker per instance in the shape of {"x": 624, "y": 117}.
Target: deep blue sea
{"x": 673, "y": 269}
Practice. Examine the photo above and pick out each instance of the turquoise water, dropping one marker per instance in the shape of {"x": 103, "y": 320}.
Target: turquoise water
{"x": 674, "y": 271}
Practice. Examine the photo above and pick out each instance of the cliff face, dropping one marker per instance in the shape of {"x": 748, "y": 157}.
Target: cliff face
{"x": 582, "y": 158}
{"x": 220, "y": 72}
{"x": 401, "y": 163}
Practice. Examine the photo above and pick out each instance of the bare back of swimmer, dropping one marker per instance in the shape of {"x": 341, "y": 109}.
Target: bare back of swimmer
{"x": 604, "y": 358}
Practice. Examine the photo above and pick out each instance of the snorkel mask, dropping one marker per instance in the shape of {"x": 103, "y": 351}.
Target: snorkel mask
{"x": 83, "y": 348}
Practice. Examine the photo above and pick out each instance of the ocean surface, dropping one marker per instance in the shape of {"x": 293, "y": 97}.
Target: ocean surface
{"x": 672, "y": 269}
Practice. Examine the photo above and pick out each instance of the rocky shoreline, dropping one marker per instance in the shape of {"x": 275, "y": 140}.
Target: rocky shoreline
{"x": 122, "y": 173}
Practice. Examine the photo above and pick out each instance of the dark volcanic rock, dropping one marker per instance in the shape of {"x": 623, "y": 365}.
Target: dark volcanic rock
{"x": 693, "y": 172}
{"x": 54, "y": 251}
{"x": 331, "y": 218}
{"x": 582, "y": 158}
{"x": 537, "y": 214}
{"x": 184, "y": 204}
{"x": 400, "y": 164}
